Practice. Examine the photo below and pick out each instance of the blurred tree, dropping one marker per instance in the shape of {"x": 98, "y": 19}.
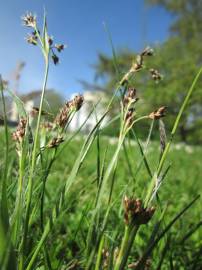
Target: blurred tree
{"x": 178, "y": 59}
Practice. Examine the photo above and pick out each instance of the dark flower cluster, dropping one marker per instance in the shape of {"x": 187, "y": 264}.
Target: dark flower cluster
{"x": 29, "y": 20}
{"x": 135, "y": 213}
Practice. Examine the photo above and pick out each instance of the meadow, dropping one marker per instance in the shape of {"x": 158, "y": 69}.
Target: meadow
{"x": 88, "y": 201}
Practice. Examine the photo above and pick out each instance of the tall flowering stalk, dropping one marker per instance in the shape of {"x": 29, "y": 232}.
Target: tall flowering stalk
{"x": 45, "y": 43}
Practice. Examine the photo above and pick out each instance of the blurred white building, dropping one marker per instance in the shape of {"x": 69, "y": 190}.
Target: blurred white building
{"x": 95, "y": 102}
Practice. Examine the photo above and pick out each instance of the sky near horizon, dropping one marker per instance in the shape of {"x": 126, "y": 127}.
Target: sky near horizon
{"x": 79, "y": 24}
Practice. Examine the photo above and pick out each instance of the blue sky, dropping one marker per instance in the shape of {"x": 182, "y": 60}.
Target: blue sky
{"x": 79, "y": 24}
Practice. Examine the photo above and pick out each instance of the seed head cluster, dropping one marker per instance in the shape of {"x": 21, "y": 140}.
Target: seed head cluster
{"x": 29, "y": 20}
{"x": 55, "y": 142}
{"x": 137, "y": 65}
{"x": 19, "y": 134}
{"x": 159, "y": 113}
{"x": 135, "y": 213}
{"x": 70, "y": 106}
{"x": 130, "y": 96}
{"x": 129, "y": 101}
{"x": 156, "y": 75}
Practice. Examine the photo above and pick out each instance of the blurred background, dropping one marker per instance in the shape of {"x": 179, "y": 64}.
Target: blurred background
{"x": 172, "y": 28}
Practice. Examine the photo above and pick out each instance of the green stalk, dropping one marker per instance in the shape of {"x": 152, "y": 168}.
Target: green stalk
{"x": 33, "y": 163}
{"x": 126, "y": 245}
{"x": 4, "y": 206}
{"x": 99, "y": 255}
{"x": 175, "y": 126}
{"x": 18, "y": 208}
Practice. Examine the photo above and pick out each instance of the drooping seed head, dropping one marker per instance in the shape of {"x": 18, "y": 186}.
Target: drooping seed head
{"x": 159, "y": 113}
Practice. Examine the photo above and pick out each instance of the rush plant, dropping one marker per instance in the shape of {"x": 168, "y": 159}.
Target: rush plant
{"x": 102, "y": 223}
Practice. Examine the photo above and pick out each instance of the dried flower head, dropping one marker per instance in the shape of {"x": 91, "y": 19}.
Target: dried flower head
{"x": 32, "y": 39}
{"x": 137, "y": 65}
{"x": 55, "y": 142}
{"x": 29, "y": 20}
{"x": 77, "y": 102}
{"x": 147, "y": 51}
{"x": 19, "y": 134}
{"x": 159, "y": 113}
{"x": 63, "y": 116}
{"x": 135, "y": 213}
{"x": 130, "y": 117}
{"x": 59, "y": 47}
{"x": 70, "y": 106}
{"x": 156, "y": 75}
{"x": 130, "y": 96}
{"x": 50, "y": 41}
{"x": 55, "y": 59}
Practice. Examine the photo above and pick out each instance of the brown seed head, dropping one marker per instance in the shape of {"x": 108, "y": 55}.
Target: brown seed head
{"x": 19, "y": 134}
{"x": 55, "y": 142}
{"x": 70, "y": 106}
{"x": 130, "y": 117}
{"x": 77, "y": 102}
{"x": 63, "y": 116}
{"x": 135, "y": 213}
{"x": 159, "y": 113}
{"x": 130, "y": 96}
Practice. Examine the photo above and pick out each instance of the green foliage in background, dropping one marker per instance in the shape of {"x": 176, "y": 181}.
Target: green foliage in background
{"x": 178, "y": 58}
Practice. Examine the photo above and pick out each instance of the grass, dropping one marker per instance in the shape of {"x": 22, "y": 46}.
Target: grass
{"x": 70, "y": 201}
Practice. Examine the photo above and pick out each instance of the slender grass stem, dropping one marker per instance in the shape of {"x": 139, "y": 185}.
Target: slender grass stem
{"x": 4, "y": 206}
{"x": 167, "y": 148}
{"x": 33, "y": 164}
{"x": 126, "y": 245}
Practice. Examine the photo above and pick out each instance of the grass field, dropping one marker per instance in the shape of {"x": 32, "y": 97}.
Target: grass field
{"x": 183, "y": 183}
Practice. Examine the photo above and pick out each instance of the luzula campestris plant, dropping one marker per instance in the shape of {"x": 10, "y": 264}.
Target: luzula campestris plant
{"x": 136, "y": 212}
{"x": 45, "y": 42}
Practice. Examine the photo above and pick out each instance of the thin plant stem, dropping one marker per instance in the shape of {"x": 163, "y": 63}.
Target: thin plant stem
{"x": 126, "y": 245}
{"x": 33, "y": 163}
{"x": 4, "y": 206}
